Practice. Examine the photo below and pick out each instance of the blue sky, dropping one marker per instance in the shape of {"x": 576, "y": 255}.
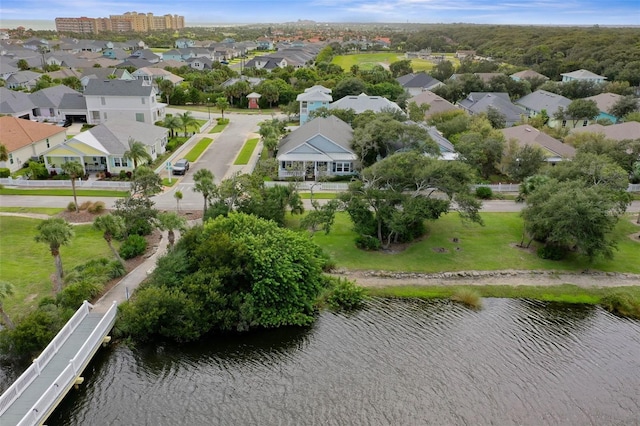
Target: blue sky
{"x": 543, "y": 12}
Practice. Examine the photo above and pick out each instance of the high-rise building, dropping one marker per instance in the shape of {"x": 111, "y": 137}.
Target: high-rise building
{"x": 127, "y": 22}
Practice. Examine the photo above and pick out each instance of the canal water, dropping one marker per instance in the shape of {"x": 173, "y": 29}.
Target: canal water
{"x": 396, "y": 362}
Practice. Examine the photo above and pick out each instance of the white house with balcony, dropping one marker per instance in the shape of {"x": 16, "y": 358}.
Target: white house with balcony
{"x": 133, "y": 100}
{"x": 319, "y": 148}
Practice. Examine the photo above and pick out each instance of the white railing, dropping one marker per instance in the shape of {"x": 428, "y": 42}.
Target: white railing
{"x": 500, "y": 187}
{"x": 80, "y": 184}
{"x": 38, "y": 412}
{"x": 34, "y": 370}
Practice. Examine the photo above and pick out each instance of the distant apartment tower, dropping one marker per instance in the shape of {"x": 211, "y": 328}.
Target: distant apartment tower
{"x": 81, "y": 25}
{"x": 127, "y": 22}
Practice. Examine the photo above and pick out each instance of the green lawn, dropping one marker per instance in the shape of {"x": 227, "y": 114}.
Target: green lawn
{"x": 318, "y": 195}
{"x": 218, "y": 128}
{"x": 64, "y": 192}
{"x": 28, "y": 265}
{"x": 169, "y": 182}
{"x": 40, "y": 210}
{"x": 247, "y": 150}
{"x": 367, "y": 61}
{"x": 197, "y": 150}
{"x": 479, "y": 248}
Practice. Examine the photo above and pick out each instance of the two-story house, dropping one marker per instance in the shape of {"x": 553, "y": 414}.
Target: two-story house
{"x": 133, "y": 100}
{"x": 313, "y": 98}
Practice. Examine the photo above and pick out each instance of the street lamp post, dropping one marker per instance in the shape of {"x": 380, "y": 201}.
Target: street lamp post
{"x": 209, "y": 108}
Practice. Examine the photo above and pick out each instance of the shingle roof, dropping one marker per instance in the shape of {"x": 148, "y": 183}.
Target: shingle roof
{"x": 330, "y": 127}
{"x": 12, "y": 102}
{"x": 541, "y": 99}
{"x": 605, "y": 100}
{"x": 435, "y": 102}
{"x": 51, "y": 97}
{"x": 97, "y": 87}
{"x": 478, "y": 102}
{"x": 364, "y": 102}
{"x": 527, "y": 135}
{"x": 618, "y": 132}
{"x": 114, "y": 135}
{"x": 419, "y": 80}
{"x": 16, "y": 133}
{"x": 529, "y": 74}
{"x": 583, "y": 74}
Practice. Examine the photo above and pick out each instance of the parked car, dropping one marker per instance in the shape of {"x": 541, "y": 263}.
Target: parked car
{"x": 180, "y": 167}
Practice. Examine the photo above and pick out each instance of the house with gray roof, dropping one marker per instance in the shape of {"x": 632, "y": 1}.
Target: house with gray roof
{"x": 541, "y": 100}
{"x": 436, "y": 103}
{"x": 415, "y": 84}
{"x": 48, "y": 101}
{"x": 554, "y": 150}
{"x": 528, "y": 75}
{"x": 73, "y": 107}
{"x": 320, "y": 147}
{"x": 133, "y": 100}
{"x": 104, "y": 74}
{"x": 102, "y": 148}
{"x": 16, "y": 104}
{"x": 481, "y": 102}
{"x": 364, "y": 102}
{"x": 22, "y": 80}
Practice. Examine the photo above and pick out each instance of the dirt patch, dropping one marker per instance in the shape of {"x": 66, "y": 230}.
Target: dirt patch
{"x": 440, "y": 250}
{"x": 635, "y": 237}
{"x": 530, "y": 249}
{"x": 82, "y": 216}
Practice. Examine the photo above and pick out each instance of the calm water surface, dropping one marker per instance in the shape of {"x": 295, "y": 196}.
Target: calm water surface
{"x": 397, "y": 362}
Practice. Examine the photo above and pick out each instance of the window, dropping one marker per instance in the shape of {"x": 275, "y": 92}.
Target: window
{"x": 105, "y": 115}
{"x": 10, "y": 158}
{"x": 48, "y": 146}
{"x": 120, "y": 162}
{"x": 103, "y": 101}
{"x": 584, "y": 123}
{"x": 95, "y": 115}
{"x": 564, "y": 123}
{"x": 142, "y": 100}
{"x": 153, "y": 149}
{"x": 342, "y": 167}
{"x": 140, "y": 117}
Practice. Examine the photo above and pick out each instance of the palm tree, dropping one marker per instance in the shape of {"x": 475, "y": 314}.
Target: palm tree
{"x": 172, "y": 122}
{"x": 4, "y": 153}
{"x": 170, "y": 221}
{"x": 166, "y": 88}
{"x": 188, "y": 120}
{"x": 222, "y": 104}
{"x": 178, "y": 196}
{"x": 55, "y": 232}
{"x": 6, "y": 289}
{"x": 111, "y": 226}
{"x": 137, "y": 152}
{"x": 74, "y": 170}
{"x": 203, "y": 183}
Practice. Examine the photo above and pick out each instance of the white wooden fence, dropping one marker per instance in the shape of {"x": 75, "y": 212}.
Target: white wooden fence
{"x": 80, "y": 184}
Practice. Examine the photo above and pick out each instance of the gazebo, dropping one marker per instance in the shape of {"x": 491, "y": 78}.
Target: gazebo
{"x": 253, "y": 100}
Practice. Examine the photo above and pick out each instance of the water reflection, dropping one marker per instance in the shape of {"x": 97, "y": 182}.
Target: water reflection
{"x": 395, "y": 362}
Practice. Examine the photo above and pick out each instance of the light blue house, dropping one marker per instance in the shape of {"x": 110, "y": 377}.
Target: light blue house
{"x": 313, "y": 98}
{"x": 184, "y": 42}
{"x": 582, "y": 75}
{"x": 172, "y": 55}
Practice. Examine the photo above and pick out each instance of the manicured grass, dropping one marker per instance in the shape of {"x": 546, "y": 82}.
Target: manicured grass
{"x": 218, "y": 128}
{"x": 28, "y": 265}
{"x": 491, "y": 247}
{"x": 318, "y": 195}
{"x": 247, "y": 150}
{"x": 197, "y": 150}
{"x": 366, "y": 61}
{"x": 64, "y": 192}
{"x": 169, "y": 182}
{"x": 40, "y": 210}
{"x": 566, "y": 293}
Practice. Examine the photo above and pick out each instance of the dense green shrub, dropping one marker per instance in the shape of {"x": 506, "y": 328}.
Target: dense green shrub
{"x": 4, "y": 172}
{"x": 551, "y": 252}
{"x": 344, "y": 294}
{"x": 223, "y": 121}
{"x": 71, "y": 207}
{"x": 133, "y": 246}
{"x": 73, "y": 295}
{"x": 367, "y": 242}
{"x": 484, "y": 193}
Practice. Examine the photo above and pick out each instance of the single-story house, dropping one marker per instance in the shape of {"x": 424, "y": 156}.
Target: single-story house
{"x": 415, "y": 84}
{"x": 605, "y": 101}
{"x": 16, "y": 104}
{"x": 481, "y": 102}
{"x": 528, "y": 75}
{"x": 26, "y": 139}
{"x": 582, "y": 75}
{"x": 555, "y": 150}
{"x": 321, "y": 147}
{"x": 364, "y": 102}
{"x": 102, "y": 148}
{"x": 436, "y": 103}
{"x": 617, "y": 132}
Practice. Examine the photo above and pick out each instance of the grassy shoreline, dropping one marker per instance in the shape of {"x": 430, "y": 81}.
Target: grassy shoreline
{"x": 562, "y": 293}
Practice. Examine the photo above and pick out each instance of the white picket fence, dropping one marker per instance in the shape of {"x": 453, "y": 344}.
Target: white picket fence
{"x": 80, "y": 184}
